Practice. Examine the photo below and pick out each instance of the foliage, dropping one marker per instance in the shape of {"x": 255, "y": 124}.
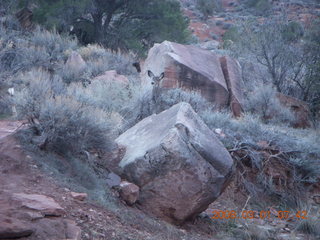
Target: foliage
{"x": 264, "y": 102}
{"x": 173, "y": 96}
{"x": 66, "y": 125}
{"x": 208, "y": 7}
{"x": 260, "y": 7}
{"x": 282, "y": 57}
{"x": 293, "y": 31}
{"x": 298, "y": 154}
{"x": 136, "y": 24}
{"x": 311, "y": 85}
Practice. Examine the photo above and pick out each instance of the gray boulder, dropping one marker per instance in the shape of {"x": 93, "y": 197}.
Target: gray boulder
{"x": 177, "y": 161}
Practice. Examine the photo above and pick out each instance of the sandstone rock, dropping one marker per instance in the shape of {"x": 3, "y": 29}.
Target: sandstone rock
{"x": 299, "y": 108}
{"x": 13, "y": 228}
{"x": 75, "y": 62}
{"x": 129, "y": 192}
{"x": 232, "y": 74}
{"x": 46, "y": 205}
{"x": 177, "y": 161}
{"x": 79, "y": 196}
{"x": 112, "y": 76}
{"x": 188, "y": 67}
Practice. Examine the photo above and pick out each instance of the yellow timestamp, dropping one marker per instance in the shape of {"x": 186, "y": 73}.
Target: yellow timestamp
{"x": 250, "y": 214}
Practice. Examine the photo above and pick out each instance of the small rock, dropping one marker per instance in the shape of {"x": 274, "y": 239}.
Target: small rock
{"x": 129, "y": 192}
{"x": 13, "y": 228}
{"x": 43, "y": 204}
{"x": 79, "y": 196}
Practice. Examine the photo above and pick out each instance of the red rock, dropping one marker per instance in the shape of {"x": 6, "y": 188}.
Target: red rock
{"x": 43, "y": 204}
{"x": 79, "y": 196}
{"x": 192, "y": 68}
{"x": 13, "y": 228}
{"x": 177, "y": 161}
{"x": 188, "y": 67}
{"x": 129, "y": 192}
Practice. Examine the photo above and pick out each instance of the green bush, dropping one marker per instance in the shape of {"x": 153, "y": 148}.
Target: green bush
{"x": 293, "y": 31}
{"x": 208, "y": 7}
{"x": 260, "y": 7}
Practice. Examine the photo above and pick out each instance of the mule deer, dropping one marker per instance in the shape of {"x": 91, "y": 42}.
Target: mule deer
{"x": 155, "y": 81}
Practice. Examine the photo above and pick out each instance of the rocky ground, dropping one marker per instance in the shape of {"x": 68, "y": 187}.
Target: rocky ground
{"x": 34, "y": 205}
{"x": 31, "y": 202}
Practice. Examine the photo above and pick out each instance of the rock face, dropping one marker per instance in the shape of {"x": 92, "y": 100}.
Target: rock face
{"x": 193, "y": 68}
{"x": 299, "y": 108}
{"x": 178, "y": 163}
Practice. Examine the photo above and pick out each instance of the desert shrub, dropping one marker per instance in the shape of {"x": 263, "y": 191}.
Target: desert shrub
{"x": 173, "y": 96}
{"x": 40, "y": 48}
{"x": 117, "y": 99}
{"x": 227, "y": 26}
{"x": 66, "y": 125}
{"x": 208, "y": 7}
{"x": 230, "y": 36}
{"x": 299, "y": 154}
{"x": 101, "y": 60}
{"x": 293, "y": 31}
{"x": 72, "y": 127}
{"x": 264, "y": 102}
{"x": 259, "y": 7}
{"x": 71, "y": 75}
{"x": 35, "y": 87}
{"x": 54, "y": 44}
{"x": 110, "y": 96}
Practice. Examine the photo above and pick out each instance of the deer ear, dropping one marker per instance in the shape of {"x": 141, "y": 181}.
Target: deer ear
{"x": 161, "y": 76}
{"x": 150, "y": 74}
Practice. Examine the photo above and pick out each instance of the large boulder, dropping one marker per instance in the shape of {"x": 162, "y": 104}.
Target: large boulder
{"x": 188, "y": 67}
{"x": 177, "y": 161}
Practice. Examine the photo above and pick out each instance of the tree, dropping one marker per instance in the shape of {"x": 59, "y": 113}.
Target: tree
{"x": 269, "y": 45}
{"x": 311, "y": 84}
{"x": 124, "y": 24}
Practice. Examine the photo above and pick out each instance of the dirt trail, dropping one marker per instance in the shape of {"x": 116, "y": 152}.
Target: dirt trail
{"x": 19, "y": 173}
